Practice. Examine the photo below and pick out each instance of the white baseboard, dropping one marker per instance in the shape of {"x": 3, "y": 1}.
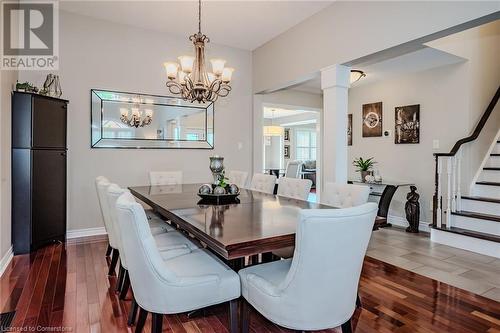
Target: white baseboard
{"x": 82, "y": 233}
{"x": 401, "y": 221}
{"x": 5, "y": 261}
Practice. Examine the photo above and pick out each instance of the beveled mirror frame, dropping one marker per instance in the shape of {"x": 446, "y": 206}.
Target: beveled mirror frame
{"x": 100, "y": 97}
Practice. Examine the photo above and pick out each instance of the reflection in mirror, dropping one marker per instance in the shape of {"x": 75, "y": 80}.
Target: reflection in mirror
{"x": 127, "y": 120}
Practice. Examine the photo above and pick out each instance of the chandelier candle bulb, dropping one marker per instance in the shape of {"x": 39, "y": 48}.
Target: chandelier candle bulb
{"x": 218, "y": 66}
{"x": 171, "y": 68}
{"x": 186, "y": 63}
{"x": 227, "y": 73}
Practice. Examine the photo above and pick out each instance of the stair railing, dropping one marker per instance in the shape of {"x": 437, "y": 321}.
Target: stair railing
{"x": 447, "y": 177}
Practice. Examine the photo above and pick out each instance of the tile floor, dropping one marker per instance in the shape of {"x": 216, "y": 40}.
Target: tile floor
{"x": 463, "y": 269}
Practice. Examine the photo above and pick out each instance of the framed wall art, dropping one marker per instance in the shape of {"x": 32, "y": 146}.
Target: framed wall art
{"x": 372, "y": 119}
{"x": 407, "y": 124}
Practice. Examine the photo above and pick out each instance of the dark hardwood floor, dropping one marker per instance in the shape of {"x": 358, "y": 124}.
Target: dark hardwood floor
{"x": 67, "y": 287}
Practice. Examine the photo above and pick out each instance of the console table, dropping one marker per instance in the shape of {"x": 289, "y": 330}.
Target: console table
{"x": 385, "y": 190}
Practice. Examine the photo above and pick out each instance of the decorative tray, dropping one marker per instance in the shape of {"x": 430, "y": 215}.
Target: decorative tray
{"x": 218, "y": 199}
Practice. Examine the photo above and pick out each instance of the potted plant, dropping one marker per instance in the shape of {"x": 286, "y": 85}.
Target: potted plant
{"x": 364, "y": 166}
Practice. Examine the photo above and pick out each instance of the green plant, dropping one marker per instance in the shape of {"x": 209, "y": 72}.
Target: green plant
{"x": 363, "y": 165}
{"x": 223, "y": 179}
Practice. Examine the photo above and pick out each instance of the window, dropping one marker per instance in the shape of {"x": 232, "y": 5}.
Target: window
{"x": 306, "y": 145}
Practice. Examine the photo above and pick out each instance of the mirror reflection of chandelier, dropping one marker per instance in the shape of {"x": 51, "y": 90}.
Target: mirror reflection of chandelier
{"x": 191, "y": 80}
{"x": 137, "y": 118}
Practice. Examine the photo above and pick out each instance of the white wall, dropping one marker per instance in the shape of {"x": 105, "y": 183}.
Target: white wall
{"x": 481, "y": 46}
{"x": 99, "y": 54}
{"x": 348, "y": 30}
{"x": 452, "y": 99}
{"x": 7, "y": 81}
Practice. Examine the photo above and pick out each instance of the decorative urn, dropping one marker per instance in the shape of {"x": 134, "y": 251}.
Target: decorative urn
{"x": 217, "y": 167}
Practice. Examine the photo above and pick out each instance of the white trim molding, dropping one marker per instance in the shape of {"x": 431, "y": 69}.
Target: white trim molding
{"x": 5, "y": 261}
{"x": 401, "y": 222}
{"x": 83, "y": 233}
{"x": 472, "y": 244}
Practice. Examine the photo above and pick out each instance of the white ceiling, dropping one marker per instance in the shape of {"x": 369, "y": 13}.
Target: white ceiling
{"x": 423, "y": 59}
{"x": 241, "y": 24}
{"x": 275, "y": 113}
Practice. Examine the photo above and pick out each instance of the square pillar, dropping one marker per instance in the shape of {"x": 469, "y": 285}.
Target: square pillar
{"x": 335, "y": 82}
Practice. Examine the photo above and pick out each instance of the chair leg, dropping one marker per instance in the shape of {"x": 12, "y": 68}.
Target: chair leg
{"x": 125, "y": 286}
{"x": 143, "y": 314}
{"x": 245, "y": 315}
{"x": 233, "y": 316}
{"x": 119, "y": 281}
{"x": 114, "y": 261}
{"x": 358, "y": 301}
{"x": 133, "y": 313}
{"x": 347, "y": 326}
{"x": 157, "y": 322}
{"x": 109, "y": 250}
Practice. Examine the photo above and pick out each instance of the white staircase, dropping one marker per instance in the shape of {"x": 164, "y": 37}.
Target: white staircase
{"x": 469, "y": 222}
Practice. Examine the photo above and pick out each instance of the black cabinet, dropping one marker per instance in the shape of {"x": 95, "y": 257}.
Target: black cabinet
{"x": 38, "y": 171}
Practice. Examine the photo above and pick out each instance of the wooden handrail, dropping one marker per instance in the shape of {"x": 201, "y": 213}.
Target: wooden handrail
{"x": 478, "y": 128}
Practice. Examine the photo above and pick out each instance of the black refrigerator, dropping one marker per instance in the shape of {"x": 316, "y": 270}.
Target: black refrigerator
{"x": 38, "y": 171}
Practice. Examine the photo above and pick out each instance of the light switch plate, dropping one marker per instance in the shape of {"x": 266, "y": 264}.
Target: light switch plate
{"x": 435, "y": 144}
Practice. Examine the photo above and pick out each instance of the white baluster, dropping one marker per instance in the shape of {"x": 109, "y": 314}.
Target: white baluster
{"x": 459, "y": 176}
{"x": 438, "y": 194}
{"x": 448, "y": 192}
{"x": 454, "y": 184}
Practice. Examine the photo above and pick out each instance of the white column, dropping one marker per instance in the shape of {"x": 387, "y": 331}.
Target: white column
{"x": 335, "y": 85}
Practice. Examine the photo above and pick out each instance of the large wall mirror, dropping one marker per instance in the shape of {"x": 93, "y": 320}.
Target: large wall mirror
{"x": 130, "y": 120}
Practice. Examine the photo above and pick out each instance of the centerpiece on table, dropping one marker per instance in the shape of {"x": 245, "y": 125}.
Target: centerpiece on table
{"x": 220, "y": 191}
{"x": 365, "y": 166}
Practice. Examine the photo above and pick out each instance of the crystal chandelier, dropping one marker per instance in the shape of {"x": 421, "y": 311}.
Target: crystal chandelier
{"x": 191, "y": 80}
{"x": 137, "y": 118}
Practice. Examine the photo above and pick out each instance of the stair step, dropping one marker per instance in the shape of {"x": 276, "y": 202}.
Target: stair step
{"x": 477, "y": 198}
{"x": 469, "y": 233}
{"x": 491, "y": 168}
{"x": 481, "y": 216}
{"x": 488, "y": 183}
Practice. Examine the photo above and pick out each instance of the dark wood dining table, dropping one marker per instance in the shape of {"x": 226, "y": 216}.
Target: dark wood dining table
{"x": 259, "y": 223}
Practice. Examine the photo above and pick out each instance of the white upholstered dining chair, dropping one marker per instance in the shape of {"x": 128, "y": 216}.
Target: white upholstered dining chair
{"x": 344, "y": 195}
{"x": 237, "y": 177}
{"x": 170, "y": 243}
{"x": 165, "y": 242}
{"x": 102, "y": 184}
{"x": 167, "y": 286}
{"x": 165, "y": 177}
{"x": 263, "y": 183}
{"x": 294, "y": 188}
{"x": 317, "y": 288}
{"x": 293, "y": 169}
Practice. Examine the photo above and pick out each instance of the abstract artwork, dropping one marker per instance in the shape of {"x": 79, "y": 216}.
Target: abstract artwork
{"x": 287, "y": 151}
{"x": 372, "y": 119}
{"x": 349, "y": 129}
{"x": 407, "y": 124}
